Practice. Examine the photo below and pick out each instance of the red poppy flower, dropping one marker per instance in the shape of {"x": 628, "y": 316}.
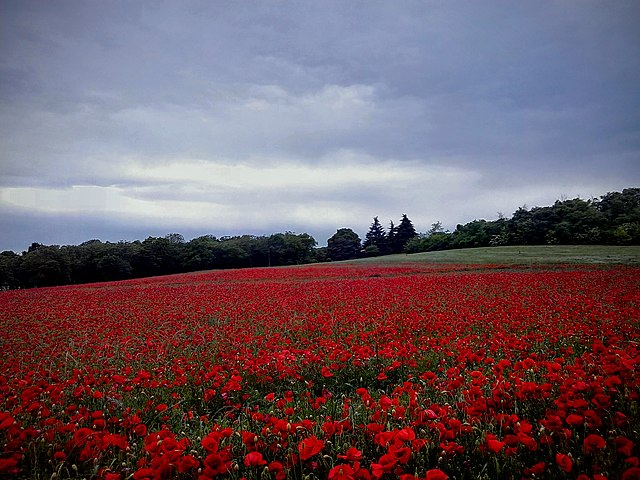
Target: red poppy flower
{"x": 326, "y": 373}
{"x": 404, "y": 435}
{"x": 60, "y": 456}
{"x": 186, "y": 463}
{"x": 494, "y": 445}
{"x": 215, "y": 463}
{"x": 564, "y": 462}
{"x": 436, "y": 474}
{"x": 633, "y": 461}
{"x": 386, "y": 464}
{"x": 6, "y": 421}
{"x": 375, "y": 428}
{"x": 593, "y": 443}
{"x": 251, "y": 440}
{"x": 329, "y": 428}
{"x": 144, "y": 474}
{"x": 8, "y": 465}
{"x": 632, "y": 473}
{"x": 254, "y": 459}
{"x": 536, "y": 469}
{"x": 278, "y": 470}
{"x": 309, "y": 447}
{"x": 620, "y": 419}
{"x": 361, "y": 473}
{"x": 341, "y": 472}
{"x": 210, "y": 444}
{"x": 624, "y": 446}
{"x": 140, "y": 429}
{"x": 352, "y": 455}
{"x": 574, "y": 420}
{"x": 403, "y": 454}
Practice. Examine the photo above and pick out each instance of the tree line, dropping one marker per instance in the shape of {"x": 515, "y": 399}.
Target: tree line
{"x": 345, "y": 244}
{"x": 613, "y": 219}
{"x": 96, "y": 261}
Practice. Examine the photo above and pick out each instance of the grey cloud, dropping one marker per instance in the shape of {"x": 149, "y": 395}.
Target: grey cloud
{"x": 530, "y": 93}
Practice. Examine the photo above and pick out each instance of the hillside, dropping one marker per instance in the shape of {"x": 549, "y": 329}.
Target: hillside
{"x": 522, "y": 255}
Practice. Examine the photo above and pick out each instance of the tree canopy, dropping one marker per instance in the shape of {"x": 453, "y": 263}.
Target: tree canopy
{"x": 344, "y": 245}
{"x": 614, "y": 219}
{"x": 375, "y": 242}
{"x": 404, "y": 232}
{"x": 95, "y": 261}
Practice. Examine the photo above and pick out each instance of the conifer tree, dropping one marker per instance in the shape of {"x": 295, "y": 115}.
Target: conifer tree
{"x": 403, "y": 233}
{"x": 391, "y": 237}
{"x": 376, "y": 238}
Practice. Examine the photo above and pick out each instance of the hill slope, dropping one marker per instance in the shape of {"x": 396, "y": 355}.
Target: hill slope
{"x": 523, "y": 255}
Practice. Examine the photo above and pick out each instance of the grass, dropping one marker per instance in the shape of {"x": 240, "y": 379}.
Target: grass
{"x": 523, "y": 255}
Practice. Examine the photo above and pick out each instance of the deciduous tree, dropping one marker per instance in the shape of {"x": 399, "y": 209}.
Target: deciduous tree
{"x": 343, "y": 245}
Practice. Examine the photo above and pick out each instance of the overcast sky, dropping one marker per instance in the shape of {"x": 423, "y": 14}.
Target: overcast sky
{"x": 121, "y": 119}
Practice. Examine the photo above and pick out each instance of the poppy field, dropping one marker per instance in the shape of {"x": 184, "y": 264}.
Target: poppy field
{"x": 327, "y": 371}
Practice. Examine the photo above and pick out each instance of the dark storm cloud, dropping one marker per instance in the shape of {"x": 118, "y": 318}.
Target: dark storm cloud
{"x": 523, "y": 103}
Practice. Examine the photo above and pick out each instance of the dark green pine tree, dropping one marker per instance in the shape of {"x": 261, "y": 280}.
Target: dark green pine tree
{"x": 375, "y": 241}
{"x": 404, "y": 232}
{"x": 391, "y": 237}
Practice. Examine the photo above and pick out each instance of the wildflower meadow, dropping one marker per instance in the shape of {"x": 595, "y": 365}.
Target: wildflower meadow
{"x": 328, "y": 371}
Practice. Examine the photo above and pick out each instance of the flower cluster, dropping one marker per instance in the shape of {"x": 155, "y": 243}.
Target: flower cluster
{"x": 339, "y": 372}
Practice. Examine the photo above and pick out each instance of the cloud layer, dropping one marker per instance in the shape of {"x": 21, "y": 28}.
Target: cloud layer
{"x": 121, "y": 118}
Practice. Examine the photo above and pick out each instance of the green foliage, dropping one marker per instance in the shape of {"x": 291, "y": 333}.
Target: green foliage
{"x": 343, "y": 245}
{"x": 573, "y": 221}
{"x": 372, "y": 251}
{"x": 621, "y": 207}
{"x": 428, "y": 242}
{"x": 404, "y": 232}
{"x": 95, "y": 261}
{"x": 612, "y": 220}
{"x": 375, "y": 242}
{"x": 9, "y": 262}
{"x": 320, "y": 255}
{"x": 478, "y": 233}
{"x": 391, "y": 236}
{"x": 45, "y": 266}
